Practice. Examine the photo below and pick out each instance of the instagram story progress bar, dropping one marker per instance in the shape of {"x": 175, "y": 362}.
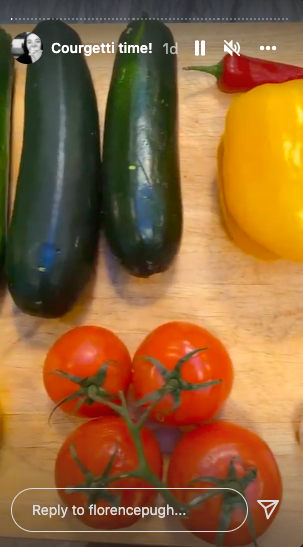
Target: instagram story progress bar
{"x": 199, "y": 47}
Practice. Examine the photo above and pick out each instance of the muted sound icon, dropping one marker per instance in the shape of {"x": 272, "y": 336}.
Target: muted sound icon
{"x": 230, "y": 48}
{"x": 268, "y": 506}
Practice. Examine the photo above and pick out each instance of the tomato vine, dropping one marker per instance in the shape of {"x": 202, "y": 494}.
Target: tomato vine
{"x": 98, "y": 487}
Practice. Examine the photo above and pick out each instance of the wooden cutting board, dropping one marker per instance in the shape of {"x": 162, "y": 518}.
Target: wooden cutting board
{"x": 255, "y": 308}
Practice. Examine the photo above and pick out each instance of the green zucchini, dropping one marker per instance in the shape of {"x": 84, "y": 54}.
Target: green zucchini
{"x": 6, "y": 87}
{"x": 53, "y": 235}
{"x": 141, "y": 175}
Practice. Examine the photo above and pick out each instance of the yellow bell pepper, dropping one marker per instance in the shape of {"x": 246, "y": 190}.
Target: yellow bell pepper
{"x": 260, "y": 171}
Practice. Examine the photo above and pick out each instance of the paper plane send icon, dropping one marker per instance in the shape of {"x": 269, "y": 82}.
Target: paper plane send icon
{"x": 268, "y": 506}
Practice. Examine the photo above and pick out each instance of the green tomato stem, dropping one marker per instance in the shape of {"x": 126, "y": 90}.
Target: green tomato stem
{"x": 143, "y": 470}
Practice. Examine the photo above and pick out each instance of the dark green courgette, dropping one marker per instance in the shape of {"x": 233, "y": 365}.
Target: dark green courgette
{"x": 53, "y": 235}
{"x": 142, "y": 191}
{"x": 6, "y": 86}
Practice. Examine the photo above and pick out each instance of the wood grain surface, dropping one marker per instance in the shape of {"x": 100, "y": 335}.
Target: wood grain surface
{"x": 255, "y": 308}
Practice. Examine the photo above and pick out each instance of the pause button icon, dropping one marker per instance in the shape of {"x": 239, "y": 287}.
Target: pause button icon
{"x": 199, "y": 47}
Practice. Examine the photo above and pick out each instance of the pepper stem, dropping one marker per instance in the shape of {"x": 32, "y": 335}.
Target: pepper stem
{"x": 215, "y": 70}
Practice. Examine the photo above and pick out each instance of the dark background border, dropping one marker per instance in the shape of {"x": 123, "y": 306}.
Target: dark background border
{"x": 92, "y": 11}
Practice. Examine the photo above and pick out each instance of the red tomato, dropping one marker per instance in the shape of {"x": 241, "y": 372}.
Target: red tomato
{"x": 208, "y": 451}
{"x": 96, "y": 442}
{"x": 169, "y": 343}
{"x": 81, "y": 352}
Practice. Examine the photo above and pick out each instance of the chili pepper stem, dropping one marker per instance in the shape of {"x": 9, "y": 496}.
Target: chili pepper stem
{"x": 215, "y": 70}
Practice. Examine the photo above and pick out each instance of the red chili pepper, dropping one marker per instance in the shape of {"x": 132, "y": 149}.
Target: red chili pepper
{"x": 240, "y": 73}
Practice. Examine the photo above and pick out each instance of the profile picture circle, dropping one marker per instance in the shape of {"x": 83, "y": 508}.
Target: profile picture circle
{"x": 27, "y": 48}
